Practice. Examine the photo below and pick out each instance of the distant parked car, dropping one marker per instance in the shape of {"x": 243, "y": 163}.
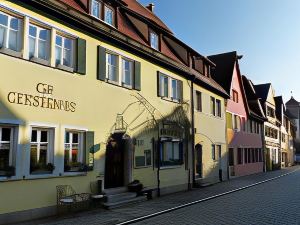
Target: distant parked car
{"x": 297, "y": 158}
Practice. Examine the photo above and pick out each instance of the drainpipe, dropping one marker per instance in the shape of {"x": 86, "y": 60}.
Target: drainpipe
{"x": 193, "y": 130}
{"x": 158, "y": 162}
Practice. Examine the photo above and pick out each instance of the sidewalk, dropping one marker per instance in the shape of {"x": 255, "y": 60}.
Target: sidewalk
{"x": 109, "y": 217}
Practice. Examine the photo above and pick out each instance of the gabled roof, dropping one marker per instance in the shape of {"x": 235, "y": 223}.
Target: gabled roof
{"x": 262, "y": 90}
{"x": 278, "y": 107}
{"x": 292, "y": 102}
{"x": 255, "y": 108}
{"x": 223, "y": 72}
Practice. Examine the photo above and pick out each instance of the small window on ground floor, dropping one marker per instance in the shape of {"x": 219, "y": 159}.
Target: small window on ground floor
{"x": 171, "y": 153}
{"x": 6, "y": 150}
{"x": 41, "y": 150}
{"x": 144, "y": 160}
{"x": 73, "y": 159}
{"x": 240, "y": 155}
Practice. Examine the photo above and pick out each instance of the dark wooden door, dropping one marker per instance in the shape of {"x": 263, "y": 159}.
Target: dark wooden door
{"x": 198, "y": 160}
{"x": 114, "y": 162}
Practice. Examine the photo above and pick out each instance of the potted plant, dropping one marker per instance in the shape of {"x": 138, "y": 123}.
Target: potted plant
{"x": 83, "y": 168}
{"x": 10, "y": 171}
{"x": 50, "y": 167}
{"x": 135, "y": 186}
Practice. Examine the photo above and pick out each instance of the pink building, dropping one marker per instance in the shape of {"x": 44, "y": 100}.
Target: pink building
{"x": 244, "y": 117}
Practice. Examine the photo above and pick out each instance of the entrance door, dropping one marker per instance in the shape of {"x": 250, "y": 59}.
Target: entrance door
{"x": 198, "y": 165}
{"x": 114, "y": 162}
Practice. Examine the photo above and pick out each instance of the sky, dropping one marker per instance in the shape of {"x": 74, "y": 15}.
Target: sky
{"x": 265, "y": 32}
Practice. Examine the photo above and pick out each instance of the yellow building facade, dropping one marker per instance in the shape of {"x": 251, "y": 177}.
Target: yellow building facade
{"x": 77, "y": 107}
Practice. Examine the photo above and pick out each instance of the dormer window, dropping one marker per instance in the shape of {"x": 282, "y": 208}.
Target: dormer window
{"x": 102, "y": 12}
{"x": 108, "y": 15}
{"x": 96, "y": 9}
{"x": 154, "y": 40}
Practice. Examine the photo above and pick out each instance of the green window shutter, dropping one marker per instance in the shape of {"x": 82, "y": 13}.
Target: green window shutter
{"x": 180, "y": 90}
{"x": 81, "y": 56}
{"x": 137, "y": 75}
{"x": 89, "y": 148}
{"x": 101, "y": 63}
{"x": 158, "y": 84}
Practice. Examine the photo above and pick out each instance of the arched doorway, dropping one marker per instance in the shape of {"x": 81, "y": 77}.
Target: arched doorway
{"x": 198, "y": 161}
{"x": 117, "y": 161}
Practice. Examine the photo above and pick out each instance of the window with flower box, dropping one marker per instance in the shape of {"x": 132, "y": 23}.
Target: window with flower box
{"x": 6, "y": 150}
{"x": 74, "y": 156}
{"x": 41, "y": 150}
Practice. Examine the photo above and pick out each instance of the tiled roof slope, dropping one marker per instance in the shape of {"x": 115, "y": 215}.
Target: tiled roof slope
{"x": 262, "y": 90}
{"x": 224, "y": 68}
{"x": 138, "y": 8}
{"x": 133, "y": 30}
{"x": 278, "y": 107}
{"x": 253, "y": 102}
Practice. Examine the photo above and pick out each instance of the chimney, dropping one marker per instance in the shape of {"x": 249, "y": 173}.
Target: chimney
{"x": 150, "y": 7}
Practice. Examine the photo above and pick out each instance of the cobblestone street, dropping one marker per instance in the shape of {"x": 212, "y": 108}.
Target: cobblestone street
{"x": 274, "y": 202}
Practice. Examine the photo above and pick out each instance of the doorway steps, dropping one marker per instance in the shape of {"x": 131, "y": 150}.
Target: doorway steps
{"x": 118, "y": 197}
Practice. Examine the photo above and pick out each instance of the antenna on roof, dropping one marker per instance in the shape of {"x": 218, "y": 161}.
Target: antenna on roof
{"x": 292, "y": 94}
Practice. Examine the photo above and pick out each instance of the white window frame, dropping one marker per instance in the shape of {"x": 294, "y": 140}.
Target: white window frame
{"x": 37, "y": 40}
{"x": 100, "y": 4}
{"x": 163, "y": 150}
{"x": 116, "y": 68}
{"x": 176, "y": 95}
{"x": 7, "y": 34}
{"x": 106, "y": 10}
{"x": 154, "y": 40}
{"x": 11, "y": 142}
{"x": 131, "y": 71}
{"x": 38, "y": 143}
{"x": 63, "y": 49}
{"x": 80, "y": 156}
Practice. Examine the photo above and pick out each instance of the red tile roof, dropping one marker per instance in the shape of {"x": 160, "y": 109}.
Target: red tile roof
{"x": 73, "y": 4}
{"x": 138, "y": 8}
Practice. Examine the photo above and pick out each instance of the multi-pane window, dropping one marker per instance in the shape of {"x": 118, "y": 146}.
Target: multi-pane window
{"x": 237, "y": 123}
{"x": 112, "y": 67}
{"x": 171, "y": 153}
{"x": 231, "y": 156}
{"x": 39, "y": 42}
{"x": 127, "y": 72}
{"x": 145, "y": 160}
{"x": 64, "y": 51}
{"x": 174, "y": 88}
{"x": 10, "y": 34}
{"x": 96, "y": 8}
{"x": 218, "y": 108}
{"x": 170, "y": 87}
{"x": 153, "y": 40}
{"x": 235, "y": 96}
{"x": 40, "y": 152}
{"x": 108, "y": 15}
{"x": 198, "y": 99}
{"x": 73, "y": 149}
{"x": 213, "y": 152}
{"x": 212, "y": 106}
{"x": 6, "y": 145}
{"x": 164, "y": 86}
